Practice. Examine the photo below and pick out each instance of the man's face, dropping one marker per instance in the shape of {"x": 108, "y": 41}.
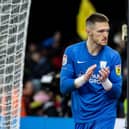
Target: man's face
{"x": 99, "y": 33}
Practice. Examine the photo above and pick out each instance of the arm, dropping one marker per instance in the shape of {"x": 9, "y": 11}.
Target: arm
{"x": 67, "y": 80}
{"x": 67, "y": 73}
{"x": 115, "y": 77}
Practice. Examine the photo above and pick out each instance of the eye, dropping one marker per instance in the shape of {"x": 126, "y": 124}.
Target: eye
{"x": 103, "y": 30}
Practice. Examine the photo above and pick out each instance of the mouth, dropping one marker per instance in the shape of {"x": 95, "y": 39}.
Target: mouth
{"x": 104, "y": 40}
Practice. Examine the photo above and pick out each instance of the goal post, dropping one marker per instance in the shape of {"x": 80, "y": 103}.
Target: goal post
{"x": 14, "y": 17}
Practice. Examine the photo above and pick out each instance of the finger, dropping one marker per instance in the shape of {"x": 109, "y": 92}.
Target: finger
{"x": 100, "y": 78}
{"x": 103, "y": 74}
{"x": 106, "y": 70}
{"x": 92, "y": 68}
{"x": 89, "y": 73}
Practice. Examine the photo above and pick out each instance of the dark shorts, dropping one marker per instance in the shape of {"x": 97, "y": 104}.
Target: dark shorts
{"x": 98, "y": 124}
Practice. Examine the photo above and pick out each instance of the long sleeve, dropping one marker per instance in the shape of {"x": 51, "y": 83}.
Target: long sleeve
{"x": 115, "y": 77}
{"x": 67, "y": 73}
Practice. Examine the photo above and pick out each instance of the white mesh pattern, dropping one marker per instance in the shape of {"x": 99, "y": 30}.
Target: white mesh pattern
{"x": 14, "y": 16}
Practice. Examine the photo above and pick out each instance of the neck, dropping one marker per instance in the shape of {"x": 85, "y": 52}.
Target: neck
{"x": 93, "y": 48}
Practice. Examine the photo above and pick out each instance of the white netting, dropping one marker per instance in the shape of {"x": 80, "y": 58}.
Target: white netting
{"x": 13, "y": 31}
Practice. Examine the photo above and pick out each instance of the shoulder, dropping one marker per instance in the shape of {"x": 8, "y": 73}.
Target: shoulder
{"x": 76, "y": 47}
{"x": 112, "y": 56}
{"x": 112, "y": 52}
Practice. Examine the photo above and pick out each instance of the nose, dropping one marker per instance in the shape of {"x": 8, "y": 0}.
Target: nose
{"x": 105, "y": 33}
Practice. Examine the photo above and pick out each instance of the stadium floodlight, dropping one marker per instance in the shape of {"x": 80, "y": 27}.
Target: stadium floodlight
{"x": 14, "y": 15}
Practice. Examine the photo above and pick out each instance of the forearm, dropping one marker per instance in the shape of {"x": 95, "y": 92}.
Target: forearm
{"x": 66, "y": 85}
{"x": 115, "y": 91}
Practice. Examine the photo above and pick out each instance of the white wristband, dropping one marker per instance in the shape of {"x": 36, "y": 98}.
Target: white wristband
{"x": 107, "y": 85}
{"x": 79, "y": 81}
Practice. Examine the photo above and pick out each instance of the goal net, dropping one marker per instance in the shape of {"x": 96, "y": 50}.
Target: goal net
{"x": 14, "y": 15}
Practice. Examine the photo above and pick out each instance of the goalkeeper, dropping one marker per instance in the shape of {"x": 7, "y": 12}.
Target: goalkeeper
{"x": 91, "y": 72}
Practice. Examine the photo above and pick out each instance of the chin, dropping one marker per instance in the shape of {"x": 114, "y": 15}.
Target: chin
{"x": 104, "y": 43}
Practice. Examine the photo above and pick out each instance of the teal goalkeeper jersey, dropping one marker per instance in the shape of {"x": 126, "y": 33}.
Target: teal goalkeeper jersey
{"x": 91, "y": 101}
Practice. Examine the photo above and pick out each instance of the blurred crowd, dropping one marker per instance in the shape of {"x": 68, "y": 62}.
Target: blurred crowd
{"x": 41, "y": 95}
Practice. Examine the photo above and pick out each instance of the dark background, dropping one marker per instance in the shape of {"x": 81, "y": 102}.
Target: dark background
{"x": 47, "y": 16}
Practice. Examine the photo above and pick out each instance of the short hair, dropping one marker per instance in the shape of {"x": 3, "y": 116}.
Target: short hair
{"x": 96, "y": 17}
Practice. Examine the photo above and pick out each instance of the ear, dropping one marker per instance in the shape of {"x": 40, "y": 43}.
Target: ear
{"x": 88, "y": 30}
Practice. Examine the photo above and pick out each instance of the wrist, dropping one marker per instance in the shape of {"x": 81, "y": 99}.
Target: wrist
{"x": 78, "y": 82}
{"x": 107, "y": 84}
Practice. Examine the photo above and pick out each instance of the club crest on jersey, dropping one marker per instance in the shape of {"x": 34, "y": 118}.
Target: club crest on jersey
{"x": 118, "y": 69}
{"x": 103, "y": 64}
{"x": 64, "y": 61}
